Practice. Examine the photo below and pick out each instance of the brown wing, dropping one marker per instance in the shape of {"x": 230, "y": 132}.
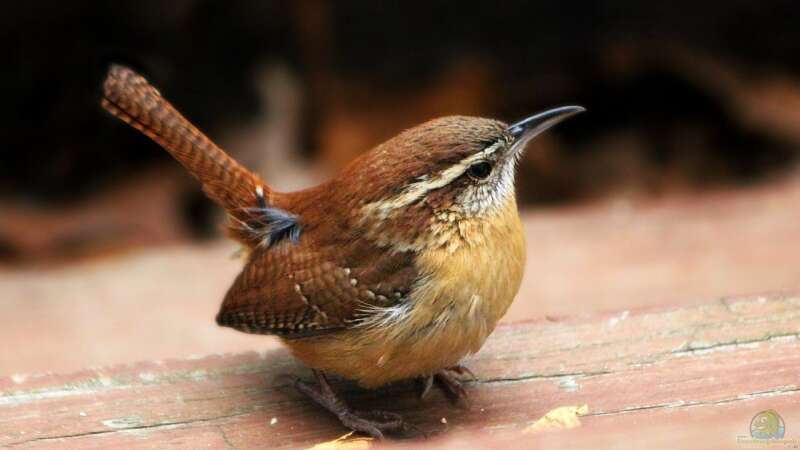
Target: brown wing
{"x": 299, "y": 289}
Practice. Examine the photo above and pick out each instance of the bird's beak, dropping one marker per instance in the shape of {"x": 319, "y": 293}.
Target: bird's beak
{"x": 527, "y": 129}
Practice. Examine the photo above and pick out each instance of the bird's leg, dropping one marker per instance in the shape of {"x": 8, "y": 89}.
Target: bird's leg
{"x": 427, "y": 384}
{"x": 461, "y": 370}
{"x": 450, "y": 383}
{"x": 373, "y": 423}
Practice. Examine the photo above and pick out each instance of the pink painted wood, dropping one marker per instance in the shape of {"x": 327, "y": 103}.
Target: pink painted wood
{"x": 690, "y": 377}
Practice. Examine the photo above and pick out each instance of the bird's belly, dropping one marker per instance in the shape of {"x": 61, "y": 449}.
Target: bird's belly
{"x": 446, "y": 318}
{"x": 394, "y": 352}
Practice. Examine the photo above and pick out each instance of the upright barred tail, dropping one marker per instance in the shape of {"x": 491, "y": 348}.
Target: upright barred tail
{"x": 128, "y": 96}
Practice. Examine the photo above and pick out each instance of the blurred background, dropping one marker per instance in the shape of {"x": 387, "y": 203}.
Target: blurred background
{"x": 679, "y": 186}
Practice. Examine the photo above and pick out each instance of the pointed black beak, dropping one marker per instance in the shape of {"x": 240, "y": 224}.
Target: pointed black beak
{"x": 527, "y": 129}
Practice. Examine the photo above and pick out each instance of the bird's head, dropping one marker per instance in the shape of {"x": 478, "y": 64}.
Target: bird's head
{"x": 448, "y": 169}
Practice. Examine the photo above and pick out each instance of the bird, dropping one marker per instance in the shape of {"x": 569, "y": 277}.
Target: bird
{"x": 396, "y": 268}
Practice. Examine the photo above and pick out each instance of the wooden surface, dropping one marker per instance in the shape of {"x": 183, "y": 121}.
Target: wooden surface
{"x": 689, "y": 377}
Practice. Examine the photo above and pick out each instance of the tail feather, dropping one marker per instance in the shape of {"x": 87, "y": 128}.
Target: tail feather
{"x": 128, "y": 96}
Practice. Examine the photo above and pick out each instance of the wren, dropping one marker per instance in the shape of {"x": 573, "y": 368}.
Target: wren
{"x": 397, "y": 268}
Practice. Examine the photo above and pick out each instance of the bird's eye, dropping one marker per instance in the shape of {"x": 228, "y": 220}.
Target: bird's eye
{"x": 480, "y": 170}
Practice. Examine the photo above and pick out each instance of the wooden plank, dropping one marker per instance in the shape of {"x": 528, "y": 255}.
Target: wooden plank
{"x": 693, "y": 375}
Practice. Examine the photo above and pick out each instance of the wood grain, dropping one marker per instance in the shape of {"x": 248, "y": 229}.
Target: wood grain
{"x": 685, "y": 377}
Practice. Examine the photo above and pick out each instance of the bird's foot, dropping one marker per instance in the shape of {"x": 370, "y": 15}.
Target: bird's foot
{"x": 373, "y": 423}
{"x": 450, "y": 381}
{"x": 463, "y": 370}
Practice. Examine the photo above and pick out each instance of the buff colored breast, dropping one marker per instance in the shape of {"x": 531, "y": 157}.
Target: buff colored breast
{"x": 467, "y": 287}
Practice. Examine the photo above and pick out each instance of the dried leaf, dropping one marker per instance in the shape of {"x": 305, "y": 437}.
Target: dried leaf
{"x": 563, "y": 417}
{"x": 345, "y": 443}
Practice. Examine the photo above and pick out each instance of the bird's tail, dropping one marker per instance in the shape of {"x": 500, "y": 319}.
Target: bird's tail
{"x": 129, "y": 96}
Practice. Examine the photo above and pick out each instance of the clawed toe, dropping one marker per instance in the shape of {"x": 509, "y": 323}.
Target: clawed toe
{"x": 448, "y": 380}
{"x": 452, "y": 388}
{"x": 372, "y": 423}
{"x": 385, "y": 416}
{"x": 427, "y": 384}
{"x": 358, "y": 423}
{"x": 462, "y": 370}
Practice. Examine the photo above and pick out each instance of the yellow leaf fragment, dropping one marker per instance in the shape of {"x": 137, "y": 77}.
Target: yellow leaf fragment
{"x": 345, "y": 443}
{"x": 563, "y": 417}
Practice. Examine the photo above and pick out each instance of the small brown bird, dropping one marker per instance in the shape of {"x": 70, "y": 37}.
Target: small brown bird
{"x": 396, "y": 269}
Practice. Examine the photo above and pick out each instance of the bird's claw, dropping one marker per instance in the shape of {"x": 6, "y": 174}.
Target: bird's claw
{"x": 448, "y": 379}
{"x": 372, "y": 423}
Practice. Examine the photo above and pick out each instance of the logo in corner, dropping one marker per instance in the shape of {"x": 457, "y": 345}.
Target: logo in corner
{"x": 767, "y": 425}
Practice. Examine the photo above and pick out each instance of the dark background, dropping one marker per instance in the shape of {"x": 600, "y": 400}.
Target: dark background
{"x": 679, "y": 186}
{"x": 682, "y": 96}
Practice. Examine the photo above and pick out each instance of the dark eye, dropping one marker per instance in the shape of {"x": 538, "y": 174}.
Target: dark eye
{"x": 480, "y": 171}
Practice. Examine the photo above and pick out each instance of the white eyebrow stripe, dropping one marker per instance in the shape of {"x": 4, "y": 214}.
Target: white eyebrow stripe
{"x": 415, "y": 190}
{"x": 493, "y": 148}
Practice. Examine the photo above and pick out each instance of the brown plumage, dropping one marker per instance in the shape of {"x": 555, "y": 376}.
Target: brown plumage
{"x": 130, "y": 97}
{"x": 397, "y": 268}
